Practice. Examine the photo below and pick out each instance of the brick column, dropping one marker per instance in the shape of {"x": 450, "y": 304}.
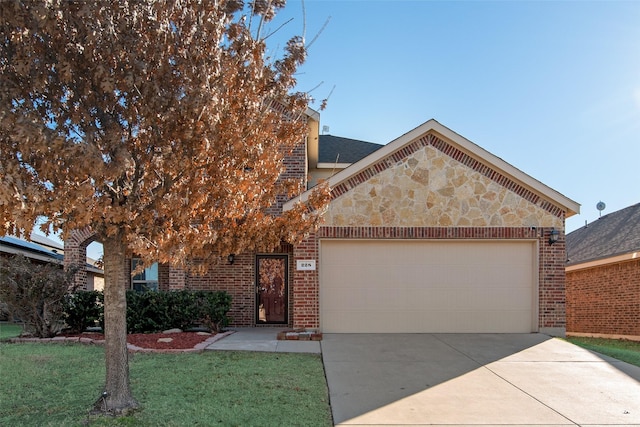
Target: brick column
{"x": 75, "y": 253}
{"x": 306, "y": 292}
{"x": 551, "y": 290}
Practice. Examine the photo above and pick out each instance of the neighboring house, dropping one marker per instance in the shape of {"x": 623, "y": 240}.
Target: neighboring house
{"x": 603, "y": 277}
{"x": 429, "y": 233}
{"x": 12, "y": 245}
{"x": 41, "y": 249}
{"x": 47, "y": 243}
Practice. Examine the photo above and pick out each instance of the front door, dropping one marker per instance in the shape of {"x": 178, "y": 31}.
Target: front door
{"x": 271, "y": 288}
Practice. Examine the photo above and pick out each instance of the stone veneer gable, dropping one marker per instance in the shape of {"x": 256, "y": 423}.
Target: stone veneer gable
{"x": 430, "y": 182}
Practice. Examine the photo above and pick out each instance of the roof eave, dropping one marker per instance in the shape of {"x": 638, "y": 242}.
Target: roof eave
{"x": 629, "y": 256}
{"x": 14, "y": 250}
{"x": 569, "y": 206}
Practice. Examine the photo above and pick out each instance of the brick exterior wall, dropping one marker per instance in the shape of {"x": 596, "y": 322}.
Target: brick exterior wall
{"x": 604, "y": 300}
{"x": 295, "y": 168}
{"x": 237, "y": 279}
{"x": 75, "y": 253}
{"x": 306, "y": 285}
{"x": 304, "y": 306}
{"x": 551, "y": 285}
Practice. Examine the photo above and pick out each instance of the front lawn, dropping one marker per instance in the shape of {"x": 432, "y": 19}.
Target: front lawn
{"x": 627, "y": 351}
{"x": 56, "y": 384}
{"x": 9, "y": 330}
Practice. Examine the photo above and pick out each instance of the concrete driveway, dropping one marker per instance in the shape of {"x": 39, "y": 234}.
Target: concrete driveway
{"x": 475, "y": 379}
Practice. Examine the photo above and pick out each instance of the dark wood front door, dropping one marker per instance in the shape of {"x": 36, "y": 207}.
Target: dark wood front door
{"x": 272, "y": 272}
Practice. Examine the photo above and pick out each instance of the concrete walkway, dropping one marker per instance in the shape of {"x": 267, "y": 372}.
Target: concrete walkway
{"x": 262, "y": 339}
{"x": 475, "y": 379}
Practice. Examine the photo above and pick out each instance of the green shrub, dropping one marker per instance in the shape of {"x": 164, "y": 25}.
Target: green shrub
{"x": 214, "y": 307}
{"x": 83, "y": 309}
{"x": 147, "y": 312}
{"x": 154, "y": 311}
{"x": 34, "y": 293}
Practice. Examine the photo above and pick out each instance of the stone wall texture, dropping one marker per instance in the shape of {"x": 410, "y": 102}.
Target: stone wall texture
{"x": 433, "y": 189}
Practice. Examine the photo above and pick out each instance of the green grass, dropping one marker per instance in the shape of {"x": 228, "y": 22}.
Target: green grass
{"x": 9, "y": 330}
{"x": 56, "y": 385}
{"x": 627, "y": 351}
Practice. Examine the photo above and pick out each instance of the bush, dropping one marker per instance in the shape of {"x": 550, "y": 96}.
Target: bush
{"x": 214, "y": 310}
{"x": 34, "y": 293}
{"x": 147, "y": 312}
{"x": 83, "y": 309}
{"x": 154, "y": 311}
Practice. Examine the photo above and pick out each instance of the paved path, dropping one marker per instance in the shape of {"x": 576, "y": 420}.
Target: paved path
{"x": 475, "y": 379}
{"x": 263, "y": 339}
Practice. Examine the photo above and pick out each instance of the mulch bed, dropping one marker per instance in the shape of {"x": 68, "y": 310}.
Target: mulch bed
{"x": 180, "y": 341}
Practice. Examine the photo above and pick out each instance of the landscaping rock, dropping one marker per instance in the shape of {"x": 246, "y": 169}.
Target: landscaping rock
{"x": 304, "y": 336}
{"x": 172, "y": 331}
{"x": 165, "y": 339}
{"x": 300, "y": 334}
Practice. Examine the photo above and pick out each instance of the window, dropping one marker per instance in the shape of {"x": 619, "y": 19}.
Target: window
{"x": 147, "y": 280}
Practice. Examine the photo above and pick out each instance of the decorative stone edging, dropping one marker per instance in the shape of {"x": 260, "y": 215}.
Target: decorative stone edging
{"x": 132, "y": 348}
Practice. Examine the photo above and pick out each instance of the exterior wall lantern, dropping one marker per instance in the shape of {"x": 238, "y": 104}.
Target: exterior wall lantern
{"x": 553, "y": 236}
{"x": 231, "y": 258}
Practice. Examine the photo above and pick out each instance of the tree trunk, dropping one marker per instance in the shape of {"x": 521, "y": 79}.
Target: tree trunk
{"x": 116, "y": 398}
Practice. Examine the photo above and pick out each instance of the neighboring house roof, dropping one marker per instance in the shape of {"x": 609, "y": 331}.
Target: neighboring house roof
{"x": 474, "y": 151}
{"x": 612, "y": 236}
{"x": 336, "y": 149}
{"x": 46, "y": 242}
{"x": 14, "y": 245}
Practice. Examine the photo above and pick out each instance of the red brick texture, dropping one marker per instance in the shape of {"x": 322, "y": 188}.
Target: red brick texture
{"x": 75, "y": 253}
{"x": 551, "y": 276}
{"x": 604, "y": 300}
{"x": 306, "y": 285}
{"x": 237, "y": 279}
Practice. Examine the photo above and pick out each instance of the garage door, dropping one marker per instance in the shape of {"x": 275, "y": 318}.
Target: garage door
{"x": 427, "y": 286}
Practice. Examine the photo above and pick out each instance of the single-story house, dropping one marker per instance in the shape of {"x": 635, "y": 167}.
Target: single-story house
{"x": 429, "y": 233}
{"x": 603, "y": 277}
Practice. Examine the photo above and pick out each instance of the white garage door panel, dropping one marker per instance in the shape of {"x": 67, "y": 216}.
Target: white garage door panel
{"x": 433, "y": 286}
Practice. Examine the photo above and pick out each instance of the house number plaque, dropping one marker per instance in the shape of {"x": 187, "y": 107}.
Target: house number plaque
{"x": 306, "y": 264}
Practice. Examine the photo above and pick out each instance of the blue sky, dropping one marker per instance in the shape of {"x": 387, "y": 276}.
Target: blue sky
{"x": 551, "y": 87}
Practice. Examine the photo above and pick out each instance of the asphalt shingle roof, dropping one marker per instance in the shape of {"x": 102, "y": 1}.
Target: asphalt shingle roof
{"x": 336, "y": 149}
{"x": 614, "y": 234}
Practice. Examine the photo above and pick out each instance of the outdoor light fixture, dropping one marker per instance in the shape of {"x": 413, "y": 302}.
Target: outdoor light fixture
{"x": 553, "y": 236}
{"x": 231, "y": 258}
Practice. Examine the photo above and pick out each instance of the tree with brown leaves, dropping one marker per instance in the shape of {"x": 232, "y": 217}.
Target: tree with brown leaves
{"x": 161, "y": 125}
